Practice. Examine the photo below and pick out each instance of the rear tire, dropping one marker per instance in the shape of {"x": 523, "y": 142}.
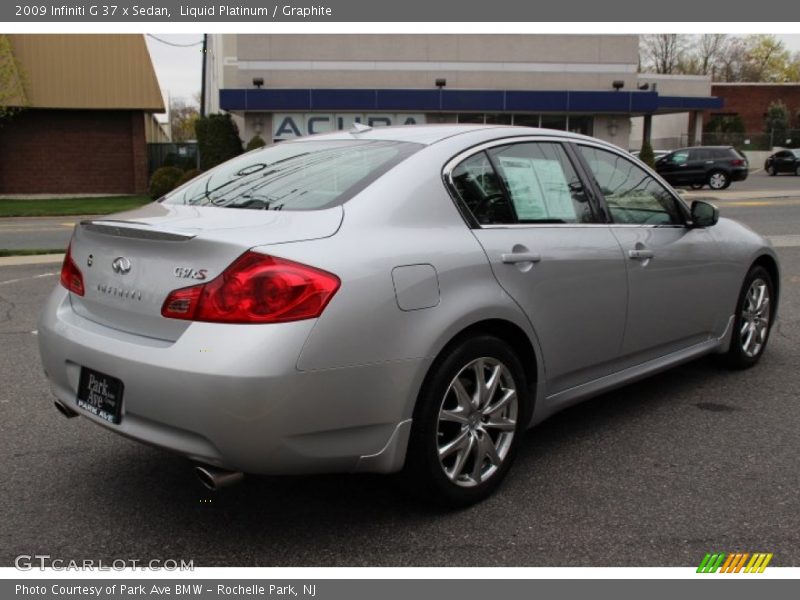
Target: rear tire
{"x": 718, "y": 180}
{"x": 468, "y": 422}
{"x": 753, "y": 321}
{"x": 697, "y": 186}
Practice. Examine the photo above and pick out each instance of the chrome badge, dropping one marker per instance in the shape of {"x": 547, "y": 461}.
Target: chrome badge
{"x": 121, "y": 265}
{"x": 190, "y": 273}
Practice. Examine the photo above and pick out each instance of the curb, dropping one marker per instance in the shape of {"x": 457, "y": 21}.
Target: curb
{"x": 37, "y": 259}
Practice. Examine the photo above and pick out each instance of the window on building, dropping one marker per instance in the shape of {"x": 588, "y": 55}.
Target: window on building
{"x": 498, "y": 119}
{"x": 554, "y": 122}
{"x": 583, "y": 124}
{"x": 526, "y": 120}
{"x": 471, "y": 118}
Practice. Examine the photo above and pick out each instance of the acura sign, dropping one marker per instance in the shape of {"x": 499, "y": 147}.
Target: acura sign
{"x": 290, "y": 125}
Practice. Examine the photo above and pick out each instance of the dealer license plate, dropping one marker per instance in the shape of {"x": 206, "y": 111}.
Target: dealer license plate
{"x": 101, "y": 395}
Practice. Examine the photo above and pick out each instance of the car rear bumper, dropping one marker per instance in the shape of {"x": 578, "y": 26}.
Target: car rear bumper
{"x": 231, "y": 396}
{"x": 739, "y": 174}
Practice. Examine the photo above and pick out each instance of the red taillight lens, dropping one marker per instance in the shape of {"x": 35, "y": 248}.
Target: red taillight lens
{"x": 255, "y": 289}
{"x": 737, "y": 162}
{"x": 71, "y": 276}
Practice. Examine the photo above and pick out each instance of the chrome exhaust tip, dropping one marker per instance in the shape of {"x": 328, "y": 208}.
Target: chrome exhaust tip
{"x": 214, "y": 479}
{"x": 64, "y": 409}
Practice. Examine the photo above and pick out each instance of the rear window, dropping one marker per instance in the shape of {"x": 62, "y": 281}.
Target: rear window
{"x": 294, "y": 175}
{"x": 727, "y": 153}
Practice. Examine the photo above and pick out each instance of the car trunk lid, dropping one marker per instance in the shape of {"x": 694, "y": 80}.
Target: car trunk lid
{"x": 131, "y": 261}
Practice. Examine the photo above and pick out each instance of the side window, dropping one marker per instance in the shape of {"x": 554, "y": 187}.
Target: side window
{"x": 476, "y": 183}
{"x": 541, "y": 183}
{"x": 678, "y": 158}
{"x": 632, "y": 195}
{"x": 701, "y": 154}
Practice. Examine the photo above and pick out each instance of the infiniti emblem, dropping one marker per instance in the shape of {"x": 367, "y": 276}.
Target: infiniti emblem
{"x": 121, "y": 265}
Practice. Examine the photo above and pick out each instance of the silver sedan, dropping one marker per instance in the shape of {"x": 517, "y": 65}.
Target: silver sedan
{"x": 395, "y": 299}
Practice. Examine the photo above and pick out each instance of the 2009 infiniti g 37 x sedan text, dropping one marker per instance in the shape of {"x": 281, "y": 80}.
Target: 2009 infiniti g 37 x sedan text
{"x": 407, "y": 298}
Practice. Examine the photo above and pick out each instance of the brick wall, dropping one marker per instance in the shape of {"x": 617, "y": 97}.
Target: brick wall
{"x": 73, "y": 152}
{"x": 751, "y": 102}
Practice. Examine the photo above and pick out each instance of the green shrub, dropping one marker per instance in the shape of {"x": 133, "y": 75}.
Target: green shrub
{"x": 164, "y": 180}
{"x": 255, "y": 142}
{"x": 217, "y": 140}
{"x": 646, "y": 155}
{"x": 187, "y": 176}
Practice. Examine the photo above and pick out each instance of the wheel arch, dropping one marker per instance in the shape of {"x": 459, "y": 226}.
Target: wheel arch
{"x": 514, "y": 336}
{"x": 769, "y": 263}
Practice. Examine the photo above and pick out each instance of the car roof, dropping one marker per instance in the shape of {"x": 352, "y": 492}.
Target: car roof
{"x": 703, "y": 148}
{"x": 431, "y": 134}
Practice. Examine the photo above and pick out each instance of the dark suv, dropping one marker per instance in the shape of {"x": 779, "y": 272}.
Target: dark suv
{"x": 715, "y": 166}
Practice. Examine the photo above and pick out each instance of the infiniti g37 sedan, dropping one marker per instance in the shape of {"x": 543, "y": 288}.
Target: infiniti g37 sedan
{"x": 395, "y": 299}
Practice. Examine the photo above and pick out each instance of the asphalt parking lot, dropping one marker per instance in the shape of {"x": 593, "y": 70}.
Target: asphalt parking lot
{"x": 694, "y": 460}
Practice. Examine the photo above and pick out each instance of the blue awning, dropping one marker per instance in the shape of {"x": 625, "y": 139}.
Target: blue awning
{"x": 411, "y": 100}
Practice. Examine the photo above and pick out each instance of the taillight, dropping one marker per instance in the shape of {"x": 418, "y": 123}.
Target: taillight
{"x": 737, "y": 162}
{"x": 71, "y": 276}
{"x": 255, "y": 289}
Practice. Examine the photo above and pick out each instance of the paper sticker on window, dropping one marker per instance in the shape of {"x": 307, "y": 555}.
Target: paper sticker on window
{"x": 538, "y": 189}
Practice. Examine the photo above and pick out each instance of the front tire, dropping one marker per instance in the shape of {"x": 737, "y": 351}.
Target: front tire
{"x": 718, "y": 180}
{"x": 771, "y": 171}
{"x": 468, "y": 423}
{"x": 753, "y": 321}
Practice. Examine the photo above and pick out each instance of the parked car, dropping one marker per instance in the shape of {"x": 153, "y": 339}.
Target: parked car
{"x": 785, "y": 161}
{"x": 407, "y": 298}
{"x": 715, "y": 166}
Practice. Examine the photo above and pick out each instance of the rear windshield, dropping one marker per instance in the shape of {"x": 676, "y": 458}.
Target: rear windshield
{"x": 294, "y": 175}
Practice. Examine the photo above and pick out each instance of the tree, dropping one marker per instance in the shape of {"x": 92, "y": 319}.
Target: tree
{"x": 255, "y": 142}
{"x": 646, "y": 155}
{"x": 662, "y": 52}
{"x": 182, "y": 119}
{"x": 767, "y": 59}
{"x": 776, "y": 123}
{"x": 757, "y": 58}
{"x": 12, "y": 89}
{"x": 217, "y": 139}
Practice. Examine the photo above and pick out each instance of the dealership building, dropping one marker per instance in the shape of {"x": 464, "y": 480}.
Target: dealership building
{"x": 284, "y": 86}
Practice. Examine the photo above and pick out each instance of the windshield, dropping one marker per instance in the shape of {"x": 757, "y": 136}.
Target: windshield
{"x": 294, "y": 175}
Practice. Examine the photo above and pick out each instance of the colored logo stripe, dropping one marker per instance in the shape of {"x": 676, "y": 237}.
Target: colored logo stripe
{"x": 734, "y": 562}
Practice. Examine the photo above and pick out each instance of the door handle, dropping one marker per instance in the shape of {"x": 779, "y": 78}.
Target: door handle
{"x": 520, "y": 257}
{"x": 640, "y": 254}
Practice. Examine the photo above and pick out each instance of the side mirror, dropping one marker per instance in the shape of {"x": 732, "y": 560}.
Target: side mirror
{"x": 704, "y": 214}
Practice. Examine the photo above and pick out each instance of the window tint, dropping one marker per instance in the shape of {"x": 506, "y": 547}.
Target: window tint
{"x": 632, "y": 195}
{"x": 476, "y": 183}
{"x": 541, "y": 183}
{"x": 700, "y": 154}
{"x": 294, "y": 175}
{"x": 679, "y": 158}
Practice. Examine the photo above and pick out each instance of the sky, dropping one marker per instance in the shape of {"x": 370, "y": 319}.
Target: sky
{"x": 178, "y": 68}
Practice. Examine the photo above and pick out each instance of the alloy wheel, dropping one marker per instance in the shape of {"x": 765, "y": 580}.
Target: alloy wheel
{"x": 718, "y": 180}
{"x": 755, "y": 318}
{"x": 477, "y": 422}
